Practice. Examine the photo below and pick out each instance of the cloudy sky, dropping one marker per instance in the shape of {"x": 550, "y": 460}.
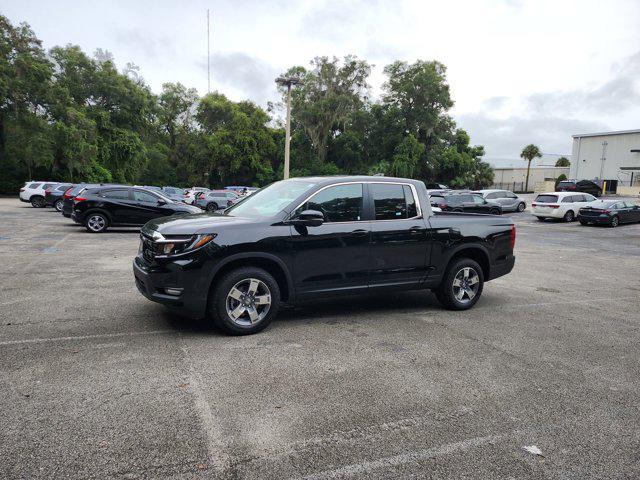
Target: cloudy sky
{"x": 520, "y": 71}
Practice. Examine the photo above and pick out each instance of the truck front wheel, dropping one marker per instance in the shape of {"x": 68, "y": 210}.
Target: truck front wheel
{"x": 462, "y": 284}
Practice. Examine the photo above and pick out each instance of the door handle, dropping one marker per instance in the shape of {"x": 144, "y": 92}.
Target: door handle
{"x": 359, "y": 233}
{"x": 416, "y": 229}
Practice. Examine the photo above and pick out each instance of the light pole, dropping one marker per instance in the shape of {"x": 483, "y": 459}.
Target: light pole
{"x": 289, "y": 82}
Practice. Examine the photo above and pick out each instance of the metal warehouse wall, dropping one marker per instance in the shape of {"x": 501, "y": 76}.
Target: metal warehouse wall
{"x": 587, "y": 155}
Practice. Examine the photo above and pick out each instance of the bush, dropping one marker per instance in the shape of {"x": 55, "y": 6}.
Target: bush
{"x": 560, "y": 178}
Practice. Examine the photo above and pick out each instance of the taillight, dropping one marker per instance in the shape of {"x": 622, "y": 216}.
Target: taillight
{"x": 554, "y": 206}
{"x": 512, "y": 237}
{"x": 66, "y": 193}
{"x": 442, "y": 206}
{"x": 22, "y": 189}
{"x": 79, "y": 199}
{"x": 534, "y": 204}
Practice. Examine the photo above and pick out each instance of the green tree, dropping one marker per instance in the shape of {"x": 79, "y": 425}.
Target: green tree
{"x": 330, "y": 93}
{"x": 563, "y": 162}
{"x": 529, "y": 153}
{"x": 406, "y": 157}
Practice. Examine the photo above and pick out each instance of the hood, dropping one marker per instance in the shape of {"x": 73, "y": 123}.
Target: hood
{"x": 192, "y": 224}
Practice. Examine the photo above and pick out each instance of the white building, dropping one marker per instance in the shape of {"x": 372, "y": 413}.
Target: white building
{"x": 611, "y": 156}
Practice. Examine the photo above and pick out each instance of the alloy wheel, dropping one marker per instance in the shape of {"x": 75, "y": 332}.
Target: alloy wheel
{"x": 466, "y": 284}
{"x": 615, "y": 222}
{"x": 59, "y": 205}
{"x": 96, "y": 223}
{"x": 248, "y": 302}
{"x": 521, "y": 207}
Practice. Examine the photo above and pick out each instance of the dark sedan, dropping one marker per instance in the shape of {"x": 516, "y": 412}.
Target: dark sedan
{"x": 100, "y": 208}
{"x": 54, "y": 195}
{"x": 464, "y": 202}
{"x": 609, "y": 212}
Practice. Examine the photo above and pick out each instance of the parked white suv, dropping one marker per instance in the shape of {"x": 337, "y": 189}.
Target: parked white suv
{"x": 560, "y": 205}
{"x": 190, "y": 194}
{"x": 33, "y": 192}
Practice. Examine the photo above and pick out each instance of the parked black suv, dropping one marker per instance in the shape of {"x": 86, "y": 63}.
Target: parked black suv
{"x": 317, "y": 237}
{"x": 464, "y": 202}
{"x": 99, "y": 208}
{"x": 583, "y": 186}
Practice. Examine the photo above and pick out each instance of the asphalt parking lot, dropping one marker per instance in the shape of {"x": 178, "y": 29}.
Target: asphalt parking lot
{"x": 98, "y": 382}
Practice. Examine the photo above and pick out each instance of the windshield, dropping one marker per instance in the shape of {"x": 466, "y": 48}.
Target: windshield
{"x": 270, "y": 200}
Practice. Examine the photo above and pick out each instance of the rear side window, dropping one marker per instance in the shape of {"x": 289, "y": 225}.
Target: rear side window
{"x": 388, "y": 201}
{"x": 34, "y": 185}
{"x": 340, "y": 203}
{"x": 453, "y": 200}
{"x": 509, "y": 195}
{"x": 569, "y": 199}
{"x": 589, "y": 198}
{"x": 63, "y": 188}
{"x": 494, "y": 195}
{"x": 116, "y": 194}
{"x": 47, "y": 185}
{"x": 547, "y": 198}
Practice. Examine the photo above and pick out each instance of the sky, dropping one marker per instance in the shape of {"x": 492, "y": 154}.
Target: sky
{"x": 520, "y": 71}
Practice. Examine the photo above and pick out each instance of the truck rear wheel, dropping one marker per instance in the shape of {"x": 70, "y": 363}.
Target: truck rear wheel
{"x": 462, "y": 285}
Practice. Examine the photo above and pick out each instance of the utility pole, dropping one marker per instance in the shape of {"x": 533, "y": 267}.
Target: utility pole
{"x": 289, "y": 82}
{"x": 208, "y": 57}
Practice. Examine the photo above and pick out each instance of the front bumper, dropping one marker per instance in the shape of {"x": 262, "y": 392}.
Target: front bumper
{"x": 152, "y": 282}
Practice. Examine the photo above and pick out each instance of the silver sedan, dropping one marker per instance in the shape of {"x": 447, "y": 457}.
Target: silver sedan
{"x": 509, "y": 201}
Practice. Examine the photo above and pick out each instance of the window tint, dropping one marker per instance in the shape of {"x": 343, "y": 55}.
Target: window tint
{"x": 47, "y": 185}
{"x": 341, "y": 203}
{"x": 510, "y": 195}
{"x": 589, "y": 198}
{"x": 34, "y": 185}
{"x": 568, "y": 199}
{"x": 494, "y": 195}
{"x": 116, "y": 194}
{"x": 617, "y": 206}
{"x": 454, "y": 200}
{"x": 547, "y": 198}
{"x": 412, "y": 208}
{"x": 478, "y": 200}
{"x": 467, "y": 198}
{"x": 388, "y": 201}
{"x": 142, "y": 196}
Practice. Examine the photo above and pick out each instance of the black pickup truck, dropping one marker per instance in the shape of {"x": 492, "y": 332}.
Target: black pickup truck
{"x": 316, "y": 237}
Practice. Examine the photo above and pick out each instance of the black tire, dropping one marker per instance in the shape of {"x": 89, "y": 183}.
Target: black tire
{"x": 521, "y": 207}
{"x": 615, "y": 221}
{"x": 96, "y": 222}
{"x": 582, "y": 222}
{"x": 541, "y": 219}
{"x": 445, "y": 292}
{"x": 212, "y": 207}
{"x": 459, "y": 210}
{"x": 495, "y": 211}
{"x": 569, "y": 216}
{"x": 220, "y": 295}
{"x": 37, "y": 201}
{"x": 58, "y": 205}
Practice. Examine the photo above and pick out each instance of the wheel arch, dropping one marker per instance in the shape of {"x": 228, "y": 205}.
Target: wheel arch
{"x": 99, "y": 210}
{"x": 475, "y": 252}
{"x": 268, "y": 262}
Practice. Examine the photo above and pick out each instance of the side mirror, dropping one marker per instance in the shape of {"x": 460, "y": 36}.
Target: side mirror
{"x": 308, "y": 218}
{"x": 161, "y": 202}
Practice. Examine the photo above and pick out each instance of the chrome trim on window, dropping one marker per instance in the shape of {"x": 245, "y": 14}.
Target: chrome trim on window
{"x": 414, "y": 191}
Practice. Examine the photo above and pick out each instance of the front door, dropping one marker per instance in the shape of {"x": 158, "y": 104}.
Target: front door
{"x": 333, "y": 257}
{"x": 399, "y": 236}
{"x": 148, "y": 206}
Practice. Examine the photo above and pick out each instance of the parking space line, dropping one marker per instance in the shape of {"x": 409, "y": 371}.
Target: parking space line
{"x": 404, "y": 458}
{"x": 83, "y": 337}
{"x": 544, "y": 304}
{"x": 217, "y": 457}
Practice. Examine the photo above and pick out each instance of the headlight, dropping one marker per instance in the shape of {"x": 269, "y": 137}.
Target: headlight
{"x": 170, "y": 247}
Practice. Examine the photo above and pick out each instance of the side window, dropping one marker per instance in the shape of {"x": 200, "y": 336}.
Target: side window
{"x": 140, "y": 196}
{"x": 568, "y": 199}
{"x": 340, "y": 203}
{"x": 389, "y": 201}
{"x": 34, "y": 185}
{"x": 116, "y": 194}
{"x": 493, "y": 196}
{"x": 617, "y": 206}
{"x": 412, "y": 209}
{"x": 589, "y": 198}
{"x": 510, "y": 195}
{"x": 478, "y": 200}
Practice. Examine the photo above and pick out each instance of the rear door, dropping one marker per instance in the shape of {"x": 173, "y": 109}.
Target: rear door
{"x": 400, "y": 244}
{"x": 119, "y": 205}
{"x": 333, "y": 257}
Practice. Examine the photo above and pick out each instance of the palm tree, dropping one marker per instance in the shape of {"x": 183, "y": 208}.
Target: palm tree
{"x": 563, "y": 162}
{"x": 529, "y": 153}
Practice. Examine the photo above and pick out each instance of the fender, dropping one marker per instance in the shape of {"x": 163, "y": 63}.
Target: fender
{"x": 449, "y": 254}
{"x": 245, "y": 255}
